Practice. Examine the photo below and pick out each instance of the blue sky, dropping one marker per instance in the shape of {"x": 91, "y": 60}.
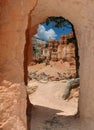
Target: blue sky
{"x": 45, "y": 32}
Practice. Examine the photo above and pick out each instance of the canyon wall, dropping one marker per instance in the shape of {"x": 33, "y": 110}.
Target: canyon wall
{"x": 13, "y": 24}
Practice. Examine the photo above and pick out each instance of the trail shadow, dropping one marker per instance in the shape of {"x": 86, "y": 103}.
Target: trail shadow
{"x": 44, "y": 118}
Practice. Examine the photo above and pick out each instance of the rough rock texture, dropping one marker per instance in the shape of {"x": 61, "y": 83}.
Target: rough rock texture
{"x": 13, "y": 23}
{"x": 12, "y": 106}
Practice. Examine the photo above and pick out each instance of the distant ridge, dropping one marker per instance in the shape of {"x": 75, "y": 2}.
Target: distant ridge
{"x": 40, "y": 39}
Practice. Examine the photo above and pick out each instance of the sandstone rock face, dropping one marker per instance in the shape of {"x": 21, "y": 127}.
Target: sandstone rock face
{"x": 12, "y": 106}
{"x": 13, "y": 23}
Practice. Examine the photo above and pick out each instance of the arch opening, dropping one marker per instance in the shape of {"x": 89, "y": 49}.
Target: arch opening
{"x": 54, "y": 67}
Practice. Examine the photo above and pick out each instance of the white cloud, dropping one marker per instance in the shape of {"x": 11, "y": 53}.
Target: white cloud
{"x": 45, "y": 35}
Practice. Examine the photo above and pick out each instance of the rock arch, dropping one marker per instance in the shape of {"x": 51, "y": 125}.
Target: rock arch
{"x": 13, "y": 22}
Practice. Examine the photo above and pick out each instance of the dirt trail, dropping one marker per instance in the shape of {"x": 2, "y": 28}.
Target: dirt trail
{"x": 50, "y": 111}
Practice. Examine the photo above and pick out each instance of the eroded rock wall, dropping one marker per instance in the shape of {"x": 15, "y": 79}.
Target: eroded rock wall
{"x": 87, "y": 68}
{"x": 13, "y": 24}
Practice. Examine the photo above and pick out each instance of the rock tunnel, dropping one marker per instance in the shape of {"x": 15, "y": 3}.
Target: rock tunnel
{"x": 18, "y": 22}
